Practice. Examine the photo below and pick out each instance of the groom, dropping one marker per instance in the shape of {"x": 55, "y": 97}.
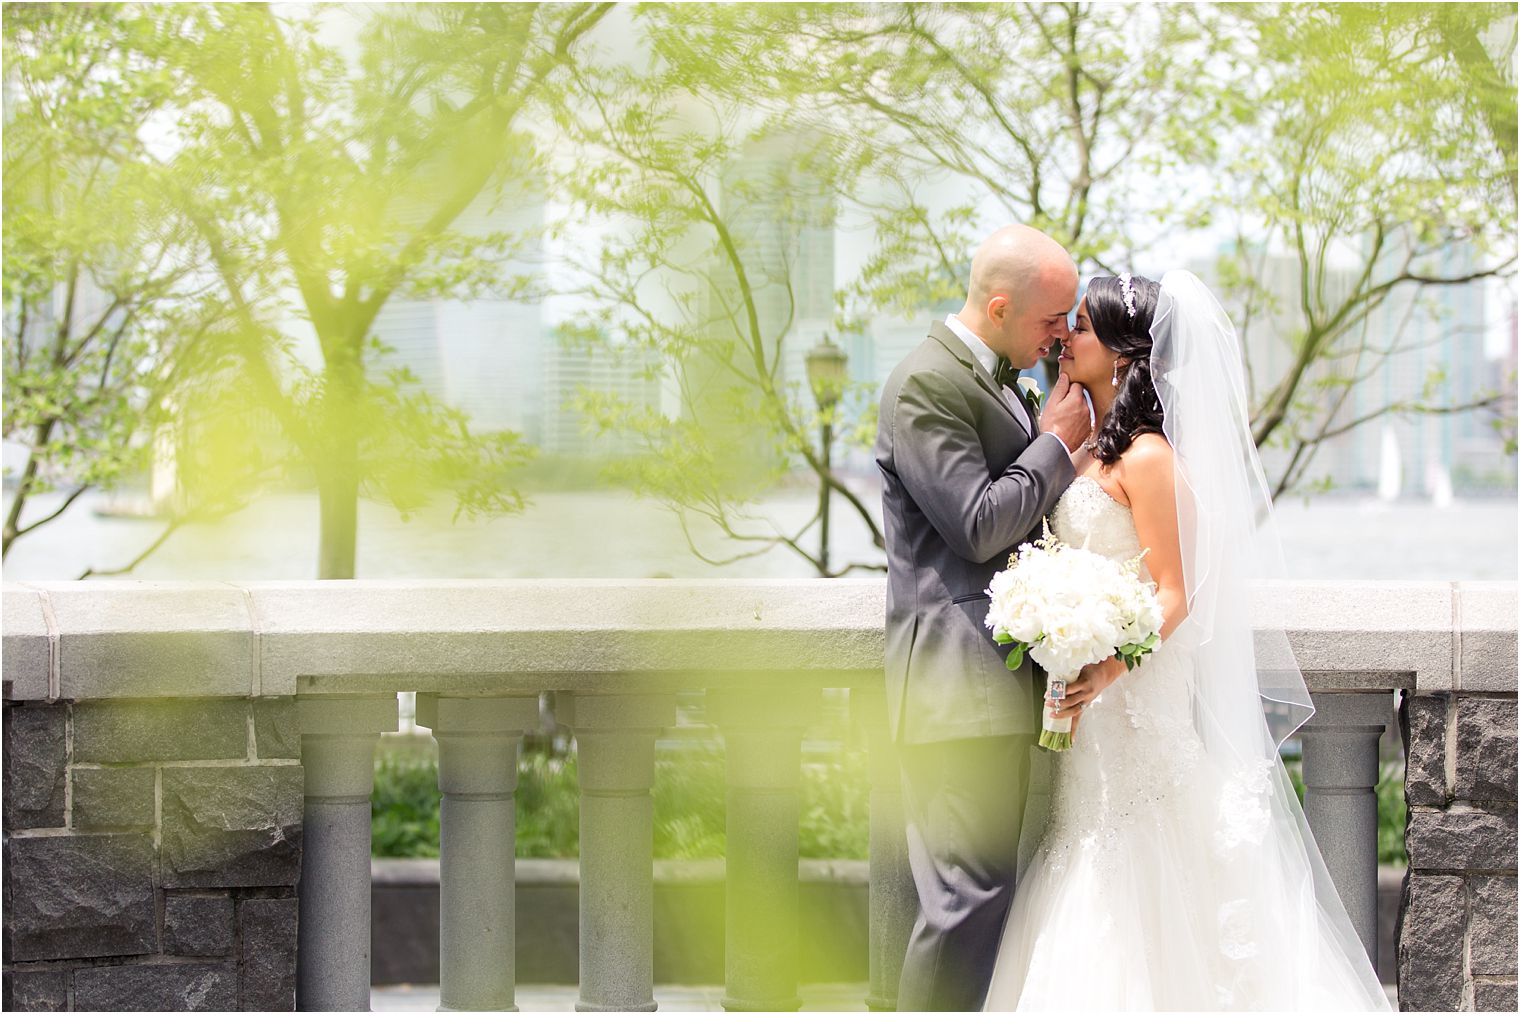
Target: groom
{"x": 968, "y": 472}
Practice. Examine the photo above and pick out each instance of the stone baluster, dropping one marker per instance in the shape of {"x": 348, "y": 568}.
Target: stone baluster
{"x": 338, "y": 738}
{"x": 478, "y": 740}
{"x": 893, "y": 899}
{"x": 615, "y": 739}
{"x": 762, "y": 732}
{"x": 1340, "y": 801}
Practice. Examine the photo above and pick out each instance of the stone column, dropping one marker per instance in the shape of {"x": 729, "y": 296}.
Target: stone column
{"x": 1340, "y": 802}
{"x": 478, "y": 740}
{"x": 762, "y": 731}
{"x": 615, "y": 737}
{"x": 893, "y": 898}
{"x": 338, "y": 737}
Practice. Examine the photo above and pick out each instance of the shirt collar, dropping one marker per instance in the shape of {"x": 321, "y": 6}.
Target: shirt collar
{"x": 979, "y": 348}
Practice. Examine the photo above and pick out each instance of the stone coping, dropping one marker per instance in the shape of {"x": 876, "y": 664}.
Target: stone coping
{"x": 109, "y": 638}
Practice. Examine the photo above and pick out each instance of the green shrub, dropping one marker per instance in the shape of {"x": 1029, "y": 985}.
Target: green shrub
{"x": 690, "y": 805}
{"x": 404, "y": 807}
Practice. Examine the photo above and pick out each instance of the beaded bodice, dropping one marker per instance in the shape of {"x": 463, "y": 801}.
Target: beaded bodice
{"x": 1087, "y": 515}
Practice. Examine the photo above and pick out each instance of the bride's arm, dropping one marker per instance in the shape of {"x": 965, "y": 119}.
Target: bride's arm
{"x": 1148, "y": 480}
{"x": 1149, "y": 483}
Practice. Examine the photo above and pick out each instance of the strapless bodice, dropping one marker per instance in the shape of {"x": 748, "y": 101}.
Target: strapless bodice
{"x": 1087, "y": 515}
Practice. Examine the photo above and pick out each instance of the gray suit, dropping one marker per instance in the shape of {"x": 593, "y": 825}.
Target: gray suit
{"x": 964, "y": 481}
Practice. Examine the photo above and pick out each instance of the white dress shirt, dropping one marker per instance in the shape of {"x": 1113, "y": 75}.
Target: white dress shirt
{"x": 988, "y": 358}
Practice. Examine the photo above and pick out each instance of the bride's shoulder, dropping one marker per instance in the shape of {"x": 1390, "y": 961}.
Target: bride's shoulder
{"x": 1147, "y": 451}
{"x": 1147, "y": 459}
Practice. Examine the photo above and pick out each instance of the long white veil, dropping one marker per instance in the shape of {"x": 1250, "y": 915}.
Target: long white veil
{"x": 1249, "y": 692}
{"x": 1224, "y": 511}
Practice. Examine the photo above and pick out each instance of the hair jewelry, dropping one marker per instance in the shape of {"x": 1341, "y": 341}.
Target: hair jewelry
{"x": 1128, "y": 291}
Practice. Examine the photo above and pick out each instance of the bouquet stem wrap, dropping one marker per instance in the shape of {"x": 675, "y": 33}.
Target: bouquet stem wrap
{"x": 1055, "y": 733}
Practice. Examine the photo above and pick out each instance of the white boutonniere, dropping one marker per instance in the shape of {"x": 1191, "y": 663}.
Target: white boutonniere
{"x": 1031, "y": 389}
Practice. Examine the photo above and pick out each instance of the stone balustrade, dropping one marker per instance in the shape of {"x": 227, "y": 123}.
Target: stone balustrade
{"x": 196, "y": 760}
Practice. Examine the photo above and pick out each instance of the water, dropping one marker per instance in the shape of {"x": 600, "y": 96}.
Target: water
{"x": 615, "y": 534}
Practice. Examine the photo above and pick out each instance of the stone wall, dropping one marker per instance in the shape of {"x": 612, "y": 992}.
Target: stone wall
{"x": 153, "y": 786}
{"x": 152, "y": 841}
{"x": 152, "y": 851}
{"x": 1457, "y": 943}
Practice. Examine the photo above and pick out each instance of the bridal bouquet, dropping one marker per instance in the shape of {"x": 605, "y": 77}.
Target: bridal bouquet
{"x": 1070, "y": 607}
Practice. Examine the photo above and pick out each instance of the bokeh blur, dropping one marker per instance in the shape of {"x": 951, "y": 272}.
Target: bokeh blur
{"x": 500, "y": 290}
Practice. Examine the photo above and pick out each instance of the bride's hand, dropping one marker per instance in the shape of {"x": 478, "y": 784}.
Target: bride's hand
{"x": 1091, "y": 682}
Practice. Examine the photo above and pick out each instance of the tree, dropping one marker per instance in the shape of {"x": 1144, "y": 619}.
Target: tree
{"x": 1354, "y": 142}
{"x": 711, "y": 213}
{"x": 103, "y": 303}
{"x": 342, "y": 185}
{"x": 1379, "y": 132}
{"x": 964, "y": 117}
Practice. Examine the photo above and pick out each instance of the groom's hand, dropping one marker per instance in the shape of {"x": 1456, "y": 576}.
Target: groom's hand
{"x": 1066, "y": 414}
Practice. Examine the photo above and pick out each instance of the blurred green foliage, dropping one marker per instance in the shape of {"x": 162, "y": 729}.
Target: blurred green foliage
{"x": 252, "y": 186}
{"x": 689, "y": 805}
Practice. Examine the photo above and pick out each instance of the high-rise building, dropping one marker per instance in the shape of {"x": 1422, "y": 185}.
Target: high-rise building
{"x": 568, "y": 374}
{"x": 485, "y": 355}
{"x": 1435, "y": 339}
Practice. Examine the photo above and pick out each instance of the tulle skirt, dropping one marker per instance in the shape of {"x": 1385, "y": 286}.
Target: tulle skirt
{"x": 1165, "y": 881}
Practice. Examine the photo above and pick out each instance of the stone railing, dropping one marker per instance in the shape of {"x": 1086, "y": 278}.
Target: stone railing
{"x": 188, "y": 770}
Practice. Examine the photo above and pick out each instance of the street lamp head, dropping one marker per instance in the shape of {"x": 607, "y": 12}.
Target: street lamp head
{"x": 827, "y": 374}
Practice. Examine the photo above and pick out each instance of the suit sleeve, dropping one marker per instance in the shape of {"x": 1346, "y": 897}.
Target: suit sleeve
{"x": 940, "y": 460}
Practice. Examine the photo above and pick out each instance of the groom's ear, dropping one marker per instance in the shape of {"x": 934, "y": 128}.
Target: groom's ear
{"x": 997, "y": 309}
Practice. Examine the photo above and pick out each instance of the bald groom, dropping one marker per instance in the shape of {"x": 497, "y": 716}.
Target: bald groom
{"x": 969, "y": 469}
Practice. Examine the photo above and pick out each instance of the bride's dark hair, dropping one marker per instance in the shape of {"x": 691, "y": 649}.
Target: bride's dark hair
{"x": 1136, "y": 408}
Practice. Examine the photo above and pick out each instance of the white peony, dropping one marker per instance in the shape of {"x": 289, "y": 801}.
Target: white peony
{"x": 1069, "y": 607}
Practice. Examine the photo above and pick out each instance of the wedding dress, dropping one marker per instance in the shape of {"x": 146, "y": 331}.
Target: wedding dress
{"x": 1161, "y": 882}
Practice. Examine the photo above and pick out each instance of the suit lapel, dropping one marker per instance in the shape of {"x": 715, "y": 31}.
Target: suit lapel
{"x": 957, "y": 348}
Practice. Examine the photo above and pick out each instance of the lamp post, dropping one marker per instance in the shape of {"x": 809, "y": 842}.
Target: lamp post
{"x": 826, "y": 375}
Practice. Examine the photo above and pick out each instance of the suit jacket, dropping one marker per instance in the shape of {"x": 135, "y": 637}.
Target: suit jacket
{"x": 963, "y": 484}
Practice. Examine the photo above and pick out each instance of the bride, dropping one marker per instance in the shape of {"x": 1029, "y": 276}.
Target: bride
{"x": 1176, "y": 871}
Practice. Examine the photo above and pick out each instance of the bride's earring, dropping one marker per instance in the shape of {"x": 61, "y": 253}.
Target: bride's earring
{"x": 1116, "y": 373}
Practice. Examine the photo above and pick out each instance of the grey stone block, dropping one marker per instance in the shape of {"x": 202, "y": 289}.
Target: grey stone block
{"x": 197, "y": 925}
{"x": 1491, "y": 940}
{"x": 120, "y": 731}
{"x": 1390, "y": 628}
{"x": 1425, "y": 769}
{"x": 1494, "y": 995}
{"x": 232, "y": 826}
{"x": 79, "y": 896}
{"x": 24, "y": 659}
{"x": 152, "y": 639}
{"x": 277, "y": 729}
{"x": 35, "y": 744}
{"x": 1485, "y": 748}
{"x": 1461, "y": 840}
{"x": 1430, "y": 946}
{"x": 441, "y": 633}
{"x": 113, "y": 797}
{"x": 35, "y": 989}
{"x": 267, "y": 969}
{"x": 157, "y": 987}
{"x": 1488, "y": 610}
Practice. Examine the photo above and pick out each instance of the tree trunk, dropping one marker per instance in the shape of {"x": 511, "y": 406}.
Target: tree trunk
{"x": 338, "y": 495}
{"x": 338, "y": 470}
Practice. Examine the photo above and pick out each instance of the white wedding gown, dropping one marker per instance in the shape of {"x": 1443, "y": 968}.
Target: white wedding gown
{"x": 1155, "y": 886}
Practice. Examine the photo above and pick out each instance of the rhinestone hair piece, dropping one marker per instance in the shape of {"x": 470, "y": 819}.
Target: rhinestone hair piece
{"x": 1128, "y": 291}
